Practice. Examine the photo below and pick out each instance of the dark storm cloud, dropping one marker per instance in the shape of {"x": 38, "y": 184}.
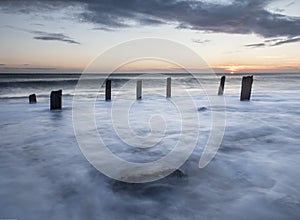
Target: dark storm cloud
{"x": 41, "y": 35}
{"x": 238, "y": 17}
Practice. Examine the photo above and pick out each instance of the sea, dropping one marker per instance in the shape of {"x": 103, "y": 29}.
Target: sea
{"x": 254, "y": 174}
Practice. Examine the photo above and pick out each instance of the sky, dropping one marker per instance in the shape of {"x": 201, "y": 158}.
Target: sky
{"x": 232, "y": 36}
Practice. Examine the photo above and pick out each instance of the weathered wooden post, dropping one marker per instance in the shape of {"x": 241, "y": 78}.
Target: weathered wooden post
{"x": 108, "y": 89}
{"x": 55, "y": 99}
{"x": 168, "y": 91}
{"x": 246, "y": 87}
{"x": 221, "y": 87}
{"x": 139, "y": 89}
{"x": 32, "y": 99}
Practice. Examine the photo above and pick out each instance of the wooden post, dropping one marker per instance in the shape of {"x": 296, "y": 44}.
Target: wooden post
{"x": 32, "y": 99}
{"x": 55, "y": 99}
{"x": 168, "y": 91}
{"x": 221, "y": 87}
{"x": 139, "y": 89}
{"x": 246, "y": 88}
{"x": 108, "y": 89}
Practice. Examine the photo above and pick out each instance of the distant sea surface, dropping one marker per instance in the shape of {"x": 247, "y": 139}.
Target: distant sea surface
{"x": 21, "y": 85}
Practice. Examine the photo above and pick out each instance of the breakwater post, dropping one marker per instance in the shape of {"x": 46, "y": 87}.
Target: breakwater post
{"x": 108, "y": 90}
{"x": 139, "y": 89}
{"x": 168, "y": 91}
{"x": 32, "y": 99}
{"x": 221, "y": 87}
{"x": 56, "y": 99}
{"x": 246, "y": 88}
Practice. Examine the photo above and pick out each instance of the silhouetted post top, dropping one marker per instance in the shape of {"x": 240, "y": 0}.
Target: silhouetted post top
{"x": 221, "y": 87}
{"x": 168, "y": 91}
{"x": 108, "y": 90}
{"x": 139, "y": 89}
{"x": 246, "y": 88}
{"x": 32, "y": 99}
{"x": 56, "y": 99}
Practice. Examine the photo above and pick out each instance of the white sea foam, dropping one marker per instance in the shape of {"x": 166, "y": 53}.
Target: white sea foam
{"x": 255, "y": 174}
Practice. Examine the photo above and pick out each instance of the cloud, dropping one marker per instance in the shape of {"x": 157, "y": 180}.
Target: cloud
{"x": 38, "y": 24}
{"x": 30, "y": 68}
{"x": 103, "y": 29}
{"x": 290, "y": 4}
{"x": 2, "y": 64}
{"x": 56, "y": 37}
{"x": 41, "y": 35}
{"x": 237, "y": 17}
{"x": 290, "y": 40}
{"x": 274, "y": 42}
{"x": 200, "y": 41}
{"x": 256, "y": 45}
{"x": 150, "y": 21}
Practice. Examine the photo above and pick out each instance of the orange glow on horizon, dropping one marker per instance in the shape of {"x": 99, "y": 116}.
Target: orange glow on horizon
{"x": 149, "y": 65}
{"x": 235, "y": 68}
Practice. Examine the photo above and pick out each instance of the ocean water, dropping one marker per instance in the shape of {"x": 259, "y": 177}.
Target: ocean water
{"x": 254, "y": 175}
